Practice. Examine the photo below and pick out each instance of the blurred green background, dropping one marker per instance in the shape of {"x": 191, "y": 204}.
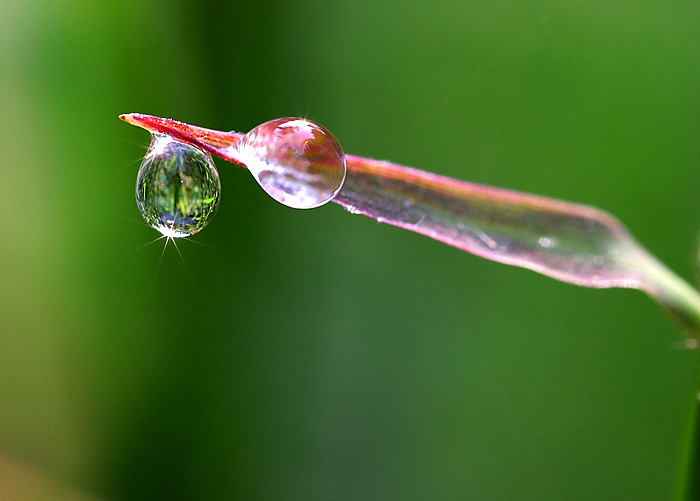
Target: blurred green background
{"x": 321, "y": 355}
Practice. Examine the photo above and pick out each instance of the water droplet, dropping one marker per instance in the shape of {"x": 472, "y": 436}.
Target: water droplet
{"x": 177, "y": 190}
{"x": 297, "y": 162}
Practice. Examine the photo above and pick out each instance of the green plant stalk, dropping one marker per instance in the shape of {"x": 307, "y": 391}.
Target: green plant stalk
{"x": 688, "y": 471}
{"x": 570, "y": 242}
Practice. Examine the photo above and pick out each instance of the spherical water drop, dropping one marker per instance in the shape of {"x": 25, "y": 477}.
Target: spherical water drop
{"x": 177, "y": 190}
{"x": 297, "y": 162}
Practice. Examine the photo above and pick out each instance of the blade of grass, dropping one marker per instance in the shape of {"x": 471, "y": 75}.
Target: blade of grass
{"x": 569, "y": 242}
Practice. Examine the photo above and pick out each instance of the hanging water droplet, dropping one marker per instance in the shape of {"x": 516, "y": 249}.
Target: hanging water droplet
{"x": 177, "y": 190}
{"x": 297, "y": 162}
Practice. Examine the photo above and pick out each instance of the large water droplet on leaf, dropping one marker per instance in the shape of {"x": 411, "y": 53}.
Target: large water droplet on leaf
{"x": 297, "y": 162}
{"x": 177, "y": 190}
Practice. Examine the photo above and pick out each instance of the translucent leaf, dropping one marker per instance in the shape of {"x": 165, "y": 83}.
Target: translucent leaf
{"x": 569, "y": 242}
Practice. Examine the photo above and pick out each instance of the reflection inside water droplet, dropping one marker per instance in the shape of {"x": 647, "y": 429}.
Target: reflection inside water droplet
{"x": 297, "y": 162}
{"x": 177, "y": 189}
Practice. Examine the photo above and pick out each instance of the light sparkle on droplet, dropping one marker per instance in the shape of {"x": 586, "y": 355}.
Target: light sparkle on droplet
{"x": 177, "y": 189}
{"x": 158, "y": 144}
{"x": 169, "y": 232}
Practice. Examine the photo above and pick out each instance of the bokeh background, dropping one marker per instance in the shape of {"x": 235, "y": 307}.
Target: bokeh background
{"x": 317, "y": 354}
